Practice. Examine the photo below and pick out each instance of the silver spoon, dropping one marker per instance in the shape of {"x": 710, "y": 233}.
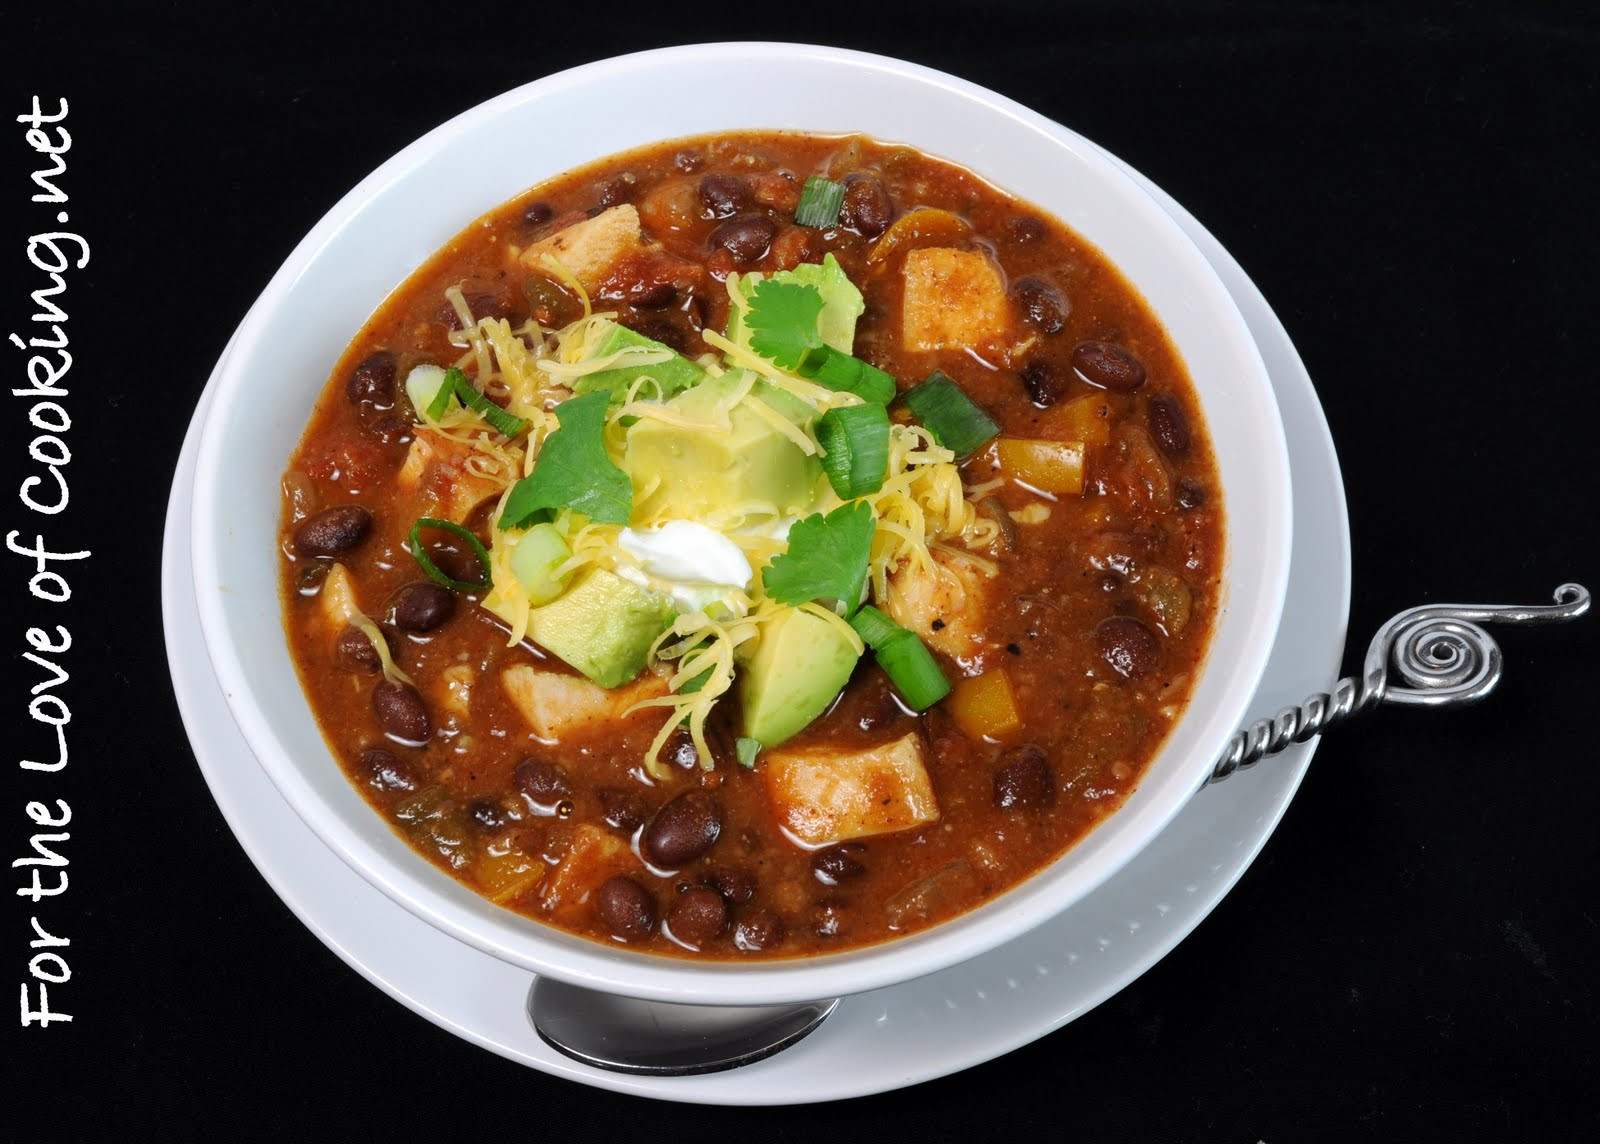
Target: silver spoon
{"x": 1444, "y": 657}
{"x": 661, "y": 1038}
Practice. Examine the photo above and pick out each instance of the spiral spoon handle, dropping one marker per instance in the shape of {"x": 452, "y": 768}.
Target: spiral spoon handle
{"x": 1440, "y": 651}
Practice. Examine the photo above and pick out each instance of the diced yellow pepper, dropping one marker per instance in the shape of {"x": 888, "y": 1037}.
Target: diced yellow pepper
{"x": 1086, "y": 419}
{"x": 1049, "y": 466}
{"x": 926, "y": 226}
{"x": 985, "y": 707}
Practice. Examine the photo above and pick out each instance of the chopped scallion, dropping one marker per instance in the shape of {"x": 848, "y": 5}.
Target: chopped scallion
{"x": 855, "y": 442}
{"x": 456, "y": 385}
{"x": 419, "y": 553}
{"x": 906, "y": 660}
{"x": 827, "y": 366}
{"x": 955, "y": 420}
{"x": 820, "y": 200}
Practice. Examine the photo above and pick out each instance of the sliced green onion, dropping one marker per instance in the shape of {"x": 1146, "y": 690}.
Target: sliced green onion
{"x": 827, "y": 366}
{"x": 820, "y": 200}
{"x": 855, "y": 442}
{"x": 955, "y": 420}
{"x": 419, "y": 553}
{"x": 455, "y": 384}
{"x": 423, "y": 384}
{"x": 747, "y": 750}
{"x": 903, "y": 657}
{"x": 538, "y": 554}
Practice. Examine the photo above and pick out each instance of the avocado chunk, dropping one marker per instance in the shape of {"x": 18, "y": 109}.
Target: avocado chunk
{"x": 674, "y": 375}
{"x": 602, "y": 625}
{"x": 800, "y": 663}
{"x": 694, "y": 474}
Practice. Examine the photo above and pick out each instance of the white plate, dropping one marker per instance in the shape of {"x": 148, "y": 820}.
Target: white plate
{"x": 875, "y": 1041}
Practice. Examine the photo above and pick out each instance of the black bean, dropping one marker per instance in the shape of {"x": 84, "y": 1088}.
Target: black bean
{"x": 353, "y": 651}
{"x": 538, "y": 214}
{"x": 1024, "y": 779}
{"x": 747, "y": 238}
{"x": 621, "y": 189}
{"x": 623, "y": 809}
{"x": 332, "y": 531}
{"x": 698, "y": 916}
{"x": 679, "y": 750}
{"x": 1045, "y": 382}
{"x": 652, "y": 295}
{"x": 1043, "y": 306}
{"x": 1191, "y": 493}
{"x": 829, "y": 917}
{"x": 682, "y": 830}
{"x": 1169, "y": 425}
{"x": 759, "y": 931}
{"x": 866, "y": 208}
{"x": 421, "y": 606}
{"x": 401, "y": 712}
{"x": 391, "y": 430}
{"x": 543, "y": 783}
{"x": 625, "y": 908}
{"x": 1128, "y": 646}
{"x": 1108, "y": 366}
{"x": 738, "y": 886}
{"x": 663, "y": 329}
{"x": 838, "y": 863}
{"x": 386, "y": 772}
{"x": 724, "y": 195}
{"x": 487, "y": 813}
{"x": 372, "y": 381}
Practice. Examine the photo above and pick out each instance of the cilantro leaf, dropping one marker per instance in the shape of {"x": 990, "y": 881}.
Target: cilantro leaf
{"x": 573, "y": 470}
{"x": 827, "y": 558}
{"x": 782, "y": 318}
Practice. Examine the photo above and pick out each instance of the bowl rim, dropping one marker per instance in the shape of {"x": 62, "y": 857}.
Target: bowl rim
{"x": 544, "y": 949}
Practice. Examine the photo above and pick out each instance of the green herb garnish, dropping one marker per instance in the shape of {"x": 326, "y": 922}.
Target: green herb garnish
{"x": 574, "y": 470}
{"x": 455, "y": 384}
{"x": 841, "y": 371}
{"x": 955, "y": 420}
{"x": 855, "y": 442}
{"x": 906, "y": 660}
{"x": 419, "y": 553}
{"x": 826, "y": 560}
{"x": 820, "y": 200}
{"x": 747, "y": 750}
{"x": 782, "y": 319}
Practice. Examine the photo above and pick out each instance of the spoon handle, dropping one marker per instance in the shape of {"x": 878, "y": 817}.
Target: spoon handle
{"x": 1440, "y": 651}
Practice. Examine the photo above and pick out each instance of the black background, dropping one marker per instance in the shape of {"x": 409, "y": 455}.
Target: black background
{"x": 1414, "y": 190}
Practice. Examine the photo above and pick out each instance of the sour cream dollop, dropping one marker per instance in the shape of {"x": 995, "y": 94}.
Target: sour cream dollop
{"x": 695, "y": 564}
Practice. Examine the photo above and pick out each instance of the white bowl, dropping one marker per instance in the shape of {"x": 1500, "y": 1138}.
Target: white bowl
{"x": 408, "y": 208}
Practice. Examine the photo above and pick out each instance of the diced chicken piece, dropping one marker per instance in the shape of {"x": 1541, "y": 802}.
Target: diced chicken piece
{"x": 822, "y": 795}
{"x": 436, "y": 469}
{"x": 589, "y": 249}
{"x": 338, "y": 599}
{"x": 594, "y": 856}
{"x": 945, "y": 607}
{"x": 456, "y": 695}
{"x": 555, "y": 705}
{"x": 954, "y": 299}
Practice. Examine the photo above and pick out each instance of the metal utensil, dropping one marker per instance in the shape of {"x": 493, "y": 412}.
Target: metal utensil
{"x": 1440, "y": 651}
{"x": 660, "y": 1038}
